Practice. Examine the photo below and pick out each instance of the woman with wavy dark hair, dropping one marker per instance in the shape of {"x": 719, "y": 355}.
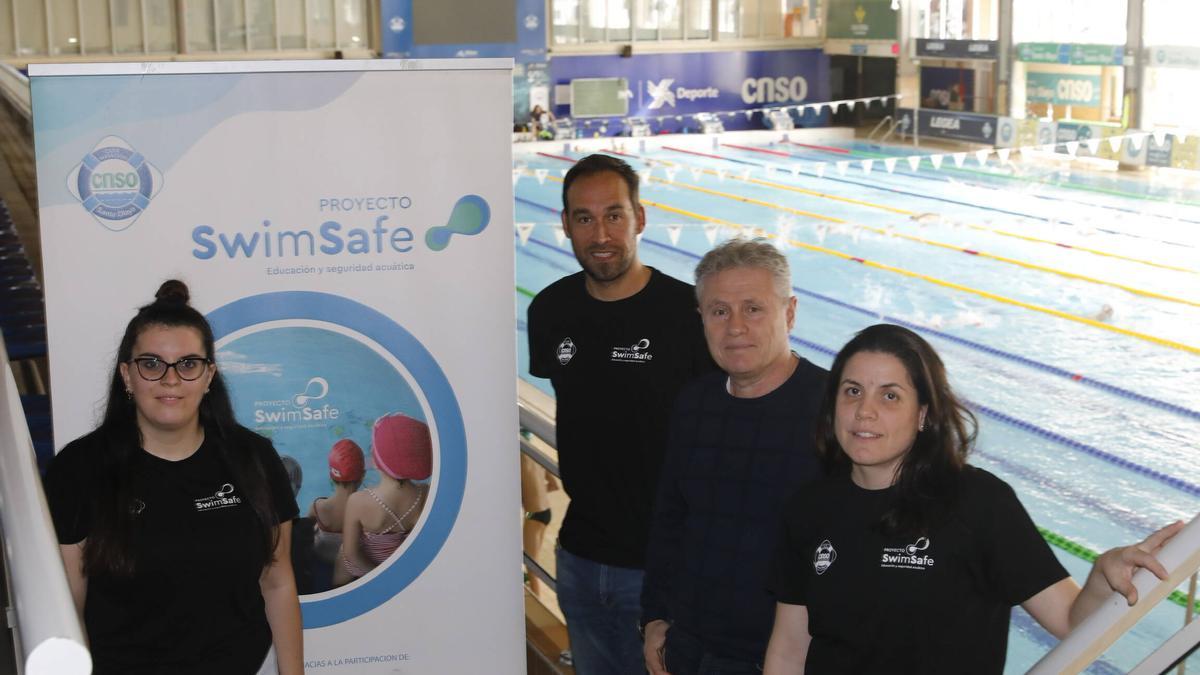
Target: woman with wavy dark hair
{"x": 174, "y": 520}
{"x": 906, "y": 559}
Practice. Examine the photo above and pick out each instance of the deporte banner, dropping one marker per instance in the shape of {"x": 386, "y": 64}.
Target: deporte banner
{"x": 687, "y": 83}
{"x": 351, "y": 244}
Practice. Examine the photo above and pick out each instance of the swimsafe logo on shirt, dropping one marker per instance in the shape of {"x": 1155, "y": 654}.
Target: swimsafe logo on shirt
{"x": 635, "y": 353}
{"x": 908, "y": 557}
{"x": 223, "y": 498}
{"x": 115, "y": 183}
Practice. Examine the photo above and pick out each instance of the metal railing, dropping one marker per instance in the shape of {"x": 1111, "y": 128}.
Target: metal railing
{"x": 14, "y": 86}
{"x": 1181, "y": 558}
{"x": 46, "y": 629}
{"x": 536, "y": 413}
{"x": 887, "y": 121}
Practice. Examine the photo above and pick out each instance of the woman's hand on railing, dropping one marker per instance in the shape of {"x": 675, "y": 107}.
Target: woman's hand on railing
{"x": 1113, "y": 571}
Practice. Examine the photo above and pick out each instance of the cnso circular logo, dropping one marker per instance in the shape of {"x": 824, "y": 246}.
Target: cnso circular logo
{"x": 115, "y": 183}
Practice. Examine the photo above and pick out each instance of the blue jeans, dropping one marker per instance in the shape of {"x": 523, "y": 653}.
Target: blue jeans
{"x": 603, "y": 605}
{"x": 685, "y": 654}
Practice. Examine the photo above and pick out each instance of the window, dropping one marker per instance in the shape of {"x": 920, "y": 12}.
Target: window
{"x": 64, "y": 23}
{"x": 352, "y": 24}
{"x": 618, "y": 21}
{"x": 1171, "y": 22}
{"x": 565, "y": 18}
{"x": 1099, "y": 22}
{"x": 605, "y": 21}
{"x": 127, "y": 26}
{"x": 260, "y": 23}
{"x": 31, "y": 26}
{"x": 321, "y": 24}
{"x": 160, "y": 25}
{"x": 201, "y": 33}
{"x": 231, "y": 26}
{"x": 699, "y": 15}
{"x": 291, "y": 25}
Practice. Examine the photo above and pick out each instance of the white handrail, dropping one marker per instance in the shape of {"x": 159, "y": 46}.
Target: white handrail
{"x": 1180, "y": 556}
{"x": 1171, "y": 651}
{"x": 537, "y": 412}
{"x": 15, "y": 87}
{"x": 47, "y": 631}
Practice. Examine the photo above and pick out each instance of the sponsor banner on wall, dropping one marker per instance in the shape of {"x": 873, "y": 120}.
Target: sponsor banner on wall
{"x": 861, "y": 20}
{"x": 1185, "y": 154}
{"x": 1063, "y": 89}
{"x": 686, "y": 83}
{"x": 398, "y": 35}
{"x": 1171, "y": 56}
{"x": 947, "y": 88}
{"x": 1008, "y": 132}
{"x": 353, "y": 253}
{"x": 958, "y": 49}
{"x": 1071, "y": 54}
{"x": 971, "y": 127}
{"x": 1159, "y": 155}
{"x": 1067, "y": 132}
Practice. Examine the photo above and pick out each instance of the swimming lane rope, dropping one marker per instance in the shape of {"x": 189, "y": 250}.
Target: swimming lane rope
{"x": 965, "y": 342}
{"x": 894, "y": 190}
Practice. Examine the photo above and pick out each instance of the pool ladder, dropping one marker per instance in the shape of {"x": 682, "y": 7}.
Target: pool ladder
{"x": 890, "y": 123}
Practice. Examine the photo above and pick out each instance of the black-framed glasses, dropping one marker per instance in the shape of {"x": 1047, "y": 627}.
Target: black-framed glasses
{"x": 154, "y": 369}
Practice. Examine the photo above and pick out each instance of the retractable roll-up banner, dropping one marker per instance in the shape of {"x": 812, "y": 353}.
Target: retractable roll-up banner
{"x": 347, "y": 229}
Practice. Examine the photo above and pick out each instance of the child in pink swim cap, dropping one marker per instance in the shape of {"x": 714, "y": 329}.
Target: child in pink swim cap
{"x": 379, "y": 519}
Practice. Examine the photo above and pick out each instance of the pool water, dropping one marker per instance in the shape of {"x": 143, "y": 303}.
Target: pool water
{"x": 1066, "y": 305}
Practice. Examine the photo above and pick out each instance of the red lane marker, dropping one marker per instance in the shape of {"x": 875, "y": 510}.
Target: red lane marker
{"x": 826, "y": 148}
{"x": 1063, "y": 245}
{"x": 1077, "y": 377}
{"x": 859, "y": 260}
{"x": 751, "y": 149}
{"x": 967, "y": 250}
{"x": 565, "y": 159}
{"x": 692, "y": 152}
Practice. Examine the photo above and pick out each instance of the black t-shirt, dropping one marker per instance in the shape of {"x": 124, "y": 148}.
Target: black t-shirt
{"x": 732, "y": 464}
{"x": 907, "y": 603}
{"x": 616, "y": 368}
{"x": 194, "y": 604}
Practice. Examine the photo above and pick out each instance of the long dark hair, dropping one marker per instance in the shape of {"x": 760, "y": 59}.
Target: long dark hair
{"x": 110, "y": 540}
{"x": 926, "y": 482}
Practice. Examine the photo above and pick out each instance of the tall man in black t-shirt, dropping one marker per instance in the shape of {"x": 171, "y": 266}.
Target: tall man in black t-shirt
{"x": 740, "y": 443}
{"x": 617, "y": 341}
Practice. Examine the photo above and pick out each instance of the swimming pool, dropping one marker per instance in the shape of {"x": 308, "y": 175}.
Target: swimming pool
{"x": 1065, "y": 304}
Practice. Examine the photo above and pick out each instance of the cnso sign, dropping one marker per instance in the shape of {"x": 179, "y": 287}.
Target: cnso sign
{"x": 774, "y": 90}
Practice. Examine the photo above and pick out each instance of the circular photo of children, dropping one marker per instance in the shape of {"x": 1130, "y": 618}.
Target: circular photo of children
{"x": 354, "y": 432}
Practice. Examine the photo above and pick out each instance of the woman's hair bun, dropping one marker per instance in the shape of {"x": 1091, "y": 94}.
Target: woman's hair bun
{"x": 173, "y": 291}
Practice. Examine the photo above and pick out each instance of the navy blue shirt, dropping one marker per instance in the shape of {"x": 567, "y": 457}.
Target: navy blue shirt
{"x": 731, "y": 466}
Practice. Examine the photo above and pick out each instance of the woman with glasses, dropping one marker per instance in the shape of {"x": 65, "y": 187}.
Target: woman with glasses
{"x": 907, "y": 559}
{"x": 174, "y": 520}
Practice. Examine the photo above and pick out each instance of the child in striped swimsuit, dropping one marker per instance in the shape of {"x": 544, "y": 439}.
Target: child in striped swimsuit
{"x": 378, "y": 520}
